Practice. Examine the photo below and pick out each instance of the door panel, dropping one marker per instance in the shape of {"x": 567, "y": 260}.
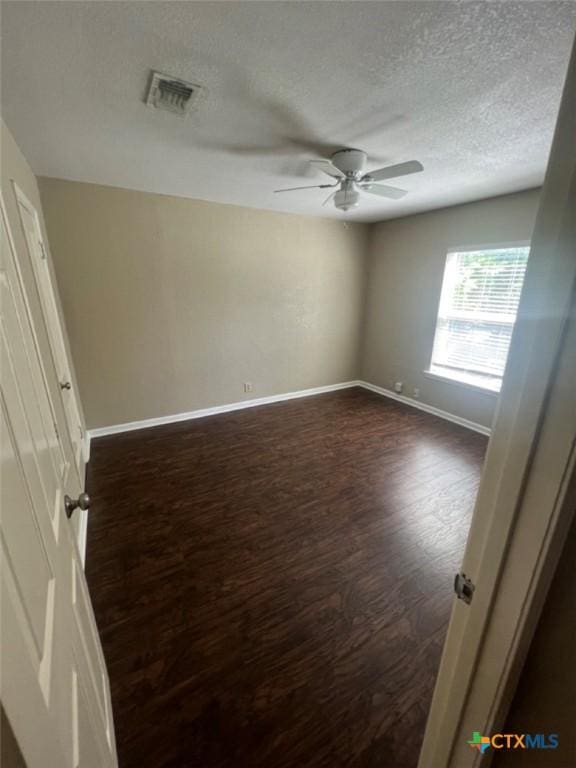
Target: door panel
{"x": 31, "y": 387}
{"x": 34, "y": 450}
{"x": 54, "y": 685}
{"x": 22, "y": 697}
{"x": 32, "y": 585}
{"x": 37, "y": 252}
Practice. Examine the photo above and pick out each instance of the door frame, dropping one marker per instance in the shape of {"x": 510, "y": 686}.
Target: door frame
{"x": 525, "y": 503}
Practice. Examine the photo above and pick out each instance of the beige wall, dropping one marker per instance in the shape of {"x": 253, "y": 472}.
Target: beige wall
{"x": 405, "y": 270}
{"x": 14, "y": 168}
{"x": 172, "y": 304}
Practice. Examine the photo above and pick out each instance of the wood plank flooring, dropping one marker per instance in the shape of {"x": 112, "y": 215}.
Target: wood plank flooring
{"x": 272, "y": 586}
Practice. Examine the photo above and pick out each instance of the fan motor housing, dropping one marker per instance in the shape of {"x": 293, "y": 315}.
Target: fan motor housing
{"x": 349, "y": 161}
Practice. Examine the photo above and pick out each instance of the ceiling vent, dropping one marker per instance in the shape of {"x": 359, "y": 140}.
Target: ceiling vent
{"x": 171, "y": 94}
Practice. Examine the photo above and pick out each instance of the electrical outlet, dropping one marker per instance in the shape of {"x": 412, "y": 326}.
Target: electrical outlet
{"x": 398, "y": 387}
{"x": 416, "y": 392}
{"x": 247, "y": 386}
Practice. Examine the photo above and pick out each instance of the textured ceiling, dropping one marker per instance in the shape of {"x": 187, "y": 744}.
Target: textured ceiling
{"x": 471, "y": 89}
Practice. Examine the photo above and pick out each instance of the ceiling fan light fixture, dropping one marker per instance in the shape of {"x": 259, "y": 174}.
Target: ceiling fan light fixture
{"x": 347, "y": 198}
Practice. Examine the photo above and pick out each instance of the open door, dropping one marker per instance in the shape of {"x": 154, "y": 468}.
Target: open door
{"x": 54, "y": 686}
{"x": 38, "y": 254}
{"x": 527, "y": 492}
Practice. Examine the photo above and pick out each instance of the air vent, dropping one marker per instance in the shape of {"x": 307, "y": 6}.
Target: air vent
{"x": 171, "y": 94}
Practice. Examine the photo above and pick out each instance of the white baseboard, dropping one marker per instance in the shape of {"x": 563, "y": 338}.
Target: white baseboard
{"x": 240, "y": 405}
{"x": 202, "y": 412}
{"x": 425, "y": 407}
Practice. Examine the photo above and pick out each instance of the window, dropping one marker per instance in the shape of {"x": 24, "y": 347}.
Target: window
{"x": 478, "y": 307}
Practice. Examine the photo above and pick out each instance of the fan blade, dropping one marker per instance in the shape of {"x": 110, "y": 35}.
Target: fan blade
{"x": 313, "y": 186}
{"x": 383, "y": 190}
{"x": 326, "y": 167}
{"x": 329, "y": 199}
{"x": 392, "y": 171}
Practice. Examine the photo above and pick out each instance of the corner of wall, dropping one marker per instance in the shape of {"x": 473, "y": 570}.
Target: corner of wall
{"x": 367, "y": 259}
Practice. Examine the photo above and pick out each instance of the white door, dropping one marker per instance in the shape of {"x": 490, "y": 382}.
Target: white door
{"x": 38, "y": 258}
{"x": 54, "y": 685}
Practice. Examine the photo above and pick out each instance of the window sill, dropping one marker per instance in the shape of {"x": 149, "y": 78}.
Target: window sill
{"x": 487, "y": 385}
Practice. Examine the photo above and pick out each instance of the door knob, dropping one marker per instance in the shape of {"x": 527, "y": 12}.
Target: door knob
{"x": 65, "y": 385}
{"x": 82, "y": 502}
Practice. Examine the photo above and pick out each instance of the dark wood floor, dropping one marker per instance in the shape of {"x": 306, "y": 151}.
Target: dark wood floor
{"x": 273, "y": 586}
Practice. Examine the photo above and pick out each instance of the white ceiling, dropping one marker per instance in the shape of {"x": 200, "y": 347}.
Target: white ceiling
{"x": 471, "y": 89}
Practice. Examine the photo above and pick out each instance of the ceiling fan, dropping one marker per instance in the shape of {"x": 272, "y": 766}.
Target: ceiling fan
{"x": 347, "y": 166}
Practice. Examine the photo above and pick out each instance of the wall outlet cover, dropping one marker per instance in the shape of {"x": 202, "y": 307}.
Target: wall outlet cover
{"x": 398, "y": 386}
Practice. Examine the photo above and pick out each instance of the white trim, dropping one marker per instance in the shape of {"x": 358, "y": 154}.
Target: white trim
{"x": 132, "y": 426}
{"x": 202, "y": 412}
{"x": 428, "y": 408}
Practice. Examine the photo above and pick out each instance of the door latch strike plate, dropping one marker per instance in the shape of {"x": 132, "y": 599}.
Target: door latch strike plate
{"x": 464, "y": 588}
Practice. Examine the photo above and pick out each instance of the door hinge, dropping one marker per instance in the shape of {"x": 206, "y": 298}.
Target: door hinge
{"x": 42, "y": 249}
{"x": 56, "y": 430}
{"x": 464, "y": 588}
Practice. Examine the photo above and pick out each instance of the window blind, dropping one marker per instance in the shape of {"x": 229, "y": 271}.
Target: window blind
{"x": 478, "y": 306}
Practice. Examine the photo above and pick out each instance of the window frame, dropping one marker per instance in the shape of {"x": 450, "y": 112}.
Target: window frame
{"x": 470, "y": 380}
